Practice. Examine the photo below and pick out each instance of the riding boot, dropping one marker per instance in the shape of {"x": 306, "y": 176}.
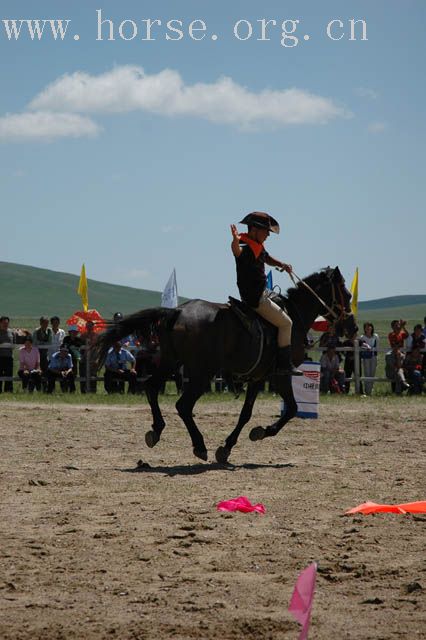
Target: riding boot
{"x": 284, "y": 365}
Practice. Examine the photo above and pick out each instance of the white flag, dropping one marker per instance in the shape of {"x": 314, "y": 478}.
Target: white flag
{"x": 169, "y": 298}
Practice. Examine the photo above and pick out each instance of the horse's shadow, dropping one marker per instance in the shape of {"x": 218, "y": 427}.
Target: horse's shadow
{"x": 196, "y": 469}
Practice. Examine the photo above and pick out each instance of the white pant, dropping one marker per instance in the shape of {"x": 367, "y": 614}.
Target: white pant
{"x": 276, "y": 316}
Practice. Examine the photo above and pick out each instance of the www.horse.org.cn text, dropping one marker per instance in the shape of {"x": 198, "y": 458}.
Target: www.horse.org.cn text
{"x": 288, "y": 32}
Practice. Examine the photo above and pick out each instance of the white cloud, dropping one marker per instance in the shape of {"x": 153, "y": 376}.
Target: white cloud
{"x": 44, "y": 126}
{"x": 171, "y": 228}
{"x": 129, "y": 88}
{"x": 364, "y": 92}
{"x": 377, "y": 127}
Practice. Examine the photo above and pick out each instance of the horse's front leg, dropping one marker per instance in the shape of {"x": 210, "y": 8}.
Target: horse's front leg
{"x": 184, "y": 406}
{"x": 223, "y": 453}
{"x": 285, "y": 389}
{"x": 152, "y": 389}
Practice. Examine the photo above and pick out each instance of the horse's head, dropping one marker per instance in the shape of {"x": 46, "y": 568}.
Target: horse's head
{"x": 338, "y": 299}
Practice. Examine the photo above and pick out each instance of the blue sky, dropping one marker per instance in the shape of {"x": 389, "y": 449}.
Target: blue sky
{"x": 135, "y": 156}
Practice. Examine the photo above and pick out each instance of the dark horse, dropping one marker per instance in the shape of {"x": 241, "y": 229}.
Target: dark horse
{"x": 207, "y": 337}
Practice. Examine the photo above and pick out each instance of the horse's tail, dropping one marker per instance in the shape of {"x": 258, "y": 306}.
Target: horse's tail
{"x": 142, "y": 323}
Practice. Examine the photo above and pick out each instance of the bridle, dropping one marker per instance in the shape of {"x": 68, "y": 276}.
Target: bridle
{"x": 337, "y": 303}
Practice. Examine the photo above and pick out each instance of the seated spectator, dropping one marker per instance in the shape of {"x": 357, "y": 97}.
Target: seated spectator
{"x": 413, "y": 369}
{"x": 88, "y": 339}
{"x": 42, "y": 338}
{"x": 116, "y": 372}
{"x": 60, "y": 368}
{"x": 58, "y": 334}
{"x": 394, "y": 370}
{"x": 329, "y": 339}
{"x": 398, "y": 334}
{"x": 29, "y": 366}
{"x": 7, "y": 339}
{"x": 369, "y": 343}
{"x": 332, "y": 378}
{"x": 73, "y": 342}
{"x": 416, "y": 339}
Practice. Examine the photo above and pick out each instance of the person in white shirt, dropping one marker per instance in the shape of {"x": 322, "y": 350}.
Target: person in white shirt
{"x": 58, "y": 335}
{"x": 369, "y": 343}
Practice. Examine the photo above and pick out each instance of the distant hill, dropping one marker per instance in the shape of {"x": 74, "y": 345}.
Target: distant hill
{"x": 394, "y": 301}
{"x": 31, "y": 292}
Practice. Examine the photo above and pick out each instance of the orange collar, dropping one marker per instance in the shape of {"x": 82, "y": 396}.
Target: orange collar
{"x": 256, "y": 247}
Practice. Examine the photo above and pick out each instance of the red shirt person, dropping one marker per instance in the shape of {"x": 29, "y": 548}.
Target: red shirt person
{"x": 398, "y": 334}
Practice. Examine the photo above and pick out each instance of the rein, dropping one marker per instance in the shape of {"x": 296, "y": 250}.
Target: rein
{"x": 331, "y": 311}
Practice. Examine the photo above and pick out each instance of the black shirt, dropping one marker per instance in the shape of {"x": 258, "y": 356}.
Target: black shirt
{"x": 251, "y": 277}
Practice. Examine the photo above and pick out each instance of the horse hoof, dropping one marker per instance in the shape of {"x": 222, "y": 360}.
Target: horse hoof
{"x": 258, "y": 433}
{"x": 201, "y": 453}
{"x": 151, "y": 439}
{"x": 222, "y": 455}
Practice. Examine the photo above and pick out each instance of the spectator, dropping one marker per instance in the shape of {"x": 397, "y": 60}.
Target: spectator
{"x": 116, "y": 372}
{"x": 60, "y": 368}
{"x": 58, "y": 334}
{"x": 7, "y": 337}
{"x": 329, "y": 339}
{"x": 413, "y": 369}
{"x": 394, "y": 370}
{"x": 332, "y": 378}
{"x": 88, "y": 339}
{"x": 73, "y": 342}
{"x": 369, "y": 343}
{"x": 398, "y": 334}
{"x": 29, "y": 366}
{"x": 42, "y": 338}
{"x": 416, "y": 339}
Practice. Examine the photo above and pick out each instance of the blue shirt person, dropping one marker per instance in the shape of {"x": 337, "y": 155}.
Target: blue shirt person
{"x": 61, "y": 360}
{"x": 117, "y": 359}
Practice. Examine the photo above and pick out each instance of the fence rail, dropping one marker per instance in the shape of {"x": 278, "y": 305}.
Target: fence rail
{"x": 357, "y": 378}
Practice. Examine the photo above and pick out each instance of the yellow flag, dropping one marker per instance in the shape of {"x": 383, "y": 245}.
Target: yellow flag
{"x": 354, "y": 292}
{"x": 83, "y": 290}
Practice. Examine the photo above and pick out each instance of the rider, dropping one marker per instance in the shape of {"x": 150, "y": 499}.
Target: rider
{"x": 251, "y": 280}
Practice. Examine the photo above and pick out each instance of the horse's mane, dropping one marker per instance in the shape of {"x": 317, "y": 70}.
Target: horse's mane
{"x": 313, "y": 280}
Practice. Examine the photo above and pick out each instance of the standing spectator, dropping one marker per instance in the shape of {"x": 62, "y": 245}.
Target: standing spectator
{"x": 73, "y": 342}
{"x": 369, "y": 343}
{"x": 424, "y": 327}
{"x": 116, "y": 372}
{"x": 416, "y": 339}
{"x": 29, "y": 366}
{"x": 88, "y": 339}
{"x": 58, "y": 334}
{"x": 7, "y": 337}
{"x": 60, "y": 368}
{"x": 349, "y": 363}
{"x": 332, "y": 378}
{"x": 398, "y": 334}
{"x": 42, "y": 338}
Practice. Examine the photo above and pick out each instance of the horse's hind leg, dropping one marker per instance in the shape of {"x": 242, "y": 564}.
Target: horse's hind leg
{"x": 152, "y": 389}
{"x": 184, "y": 407}
{"x": 285, "y": 389}
{"x": 223, "y": 453}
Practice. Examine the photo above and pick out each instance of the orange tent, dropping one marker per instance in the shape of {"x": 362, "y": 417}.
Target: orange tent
{"x": 80, "y": 318}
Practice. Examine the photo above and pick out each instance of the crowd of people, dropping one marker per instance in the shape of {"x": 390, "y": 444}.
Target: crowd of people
{"x": 49, "y": 355}
{"x": 405, "y": 362}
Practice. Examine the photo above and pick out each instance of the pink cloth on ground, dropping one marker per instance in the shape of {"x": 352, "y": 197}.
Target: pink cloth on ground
{"x": 302, "y": 599}
{"x": 242, "y": 504}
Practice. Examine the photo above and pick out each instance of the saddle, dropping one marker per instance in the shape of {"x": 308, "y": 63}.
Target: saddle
{"x": 262, "y": 337}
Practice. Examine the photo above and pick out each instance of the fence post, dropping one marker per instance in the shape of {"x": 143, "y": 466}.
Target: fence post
{"x": 357, "y": 372}
{"x": 87, "y": 373}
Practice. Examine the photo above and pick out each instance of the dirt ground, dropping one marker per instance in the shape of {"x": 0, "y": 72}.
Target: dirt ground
{"x": 92, "y": 548}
